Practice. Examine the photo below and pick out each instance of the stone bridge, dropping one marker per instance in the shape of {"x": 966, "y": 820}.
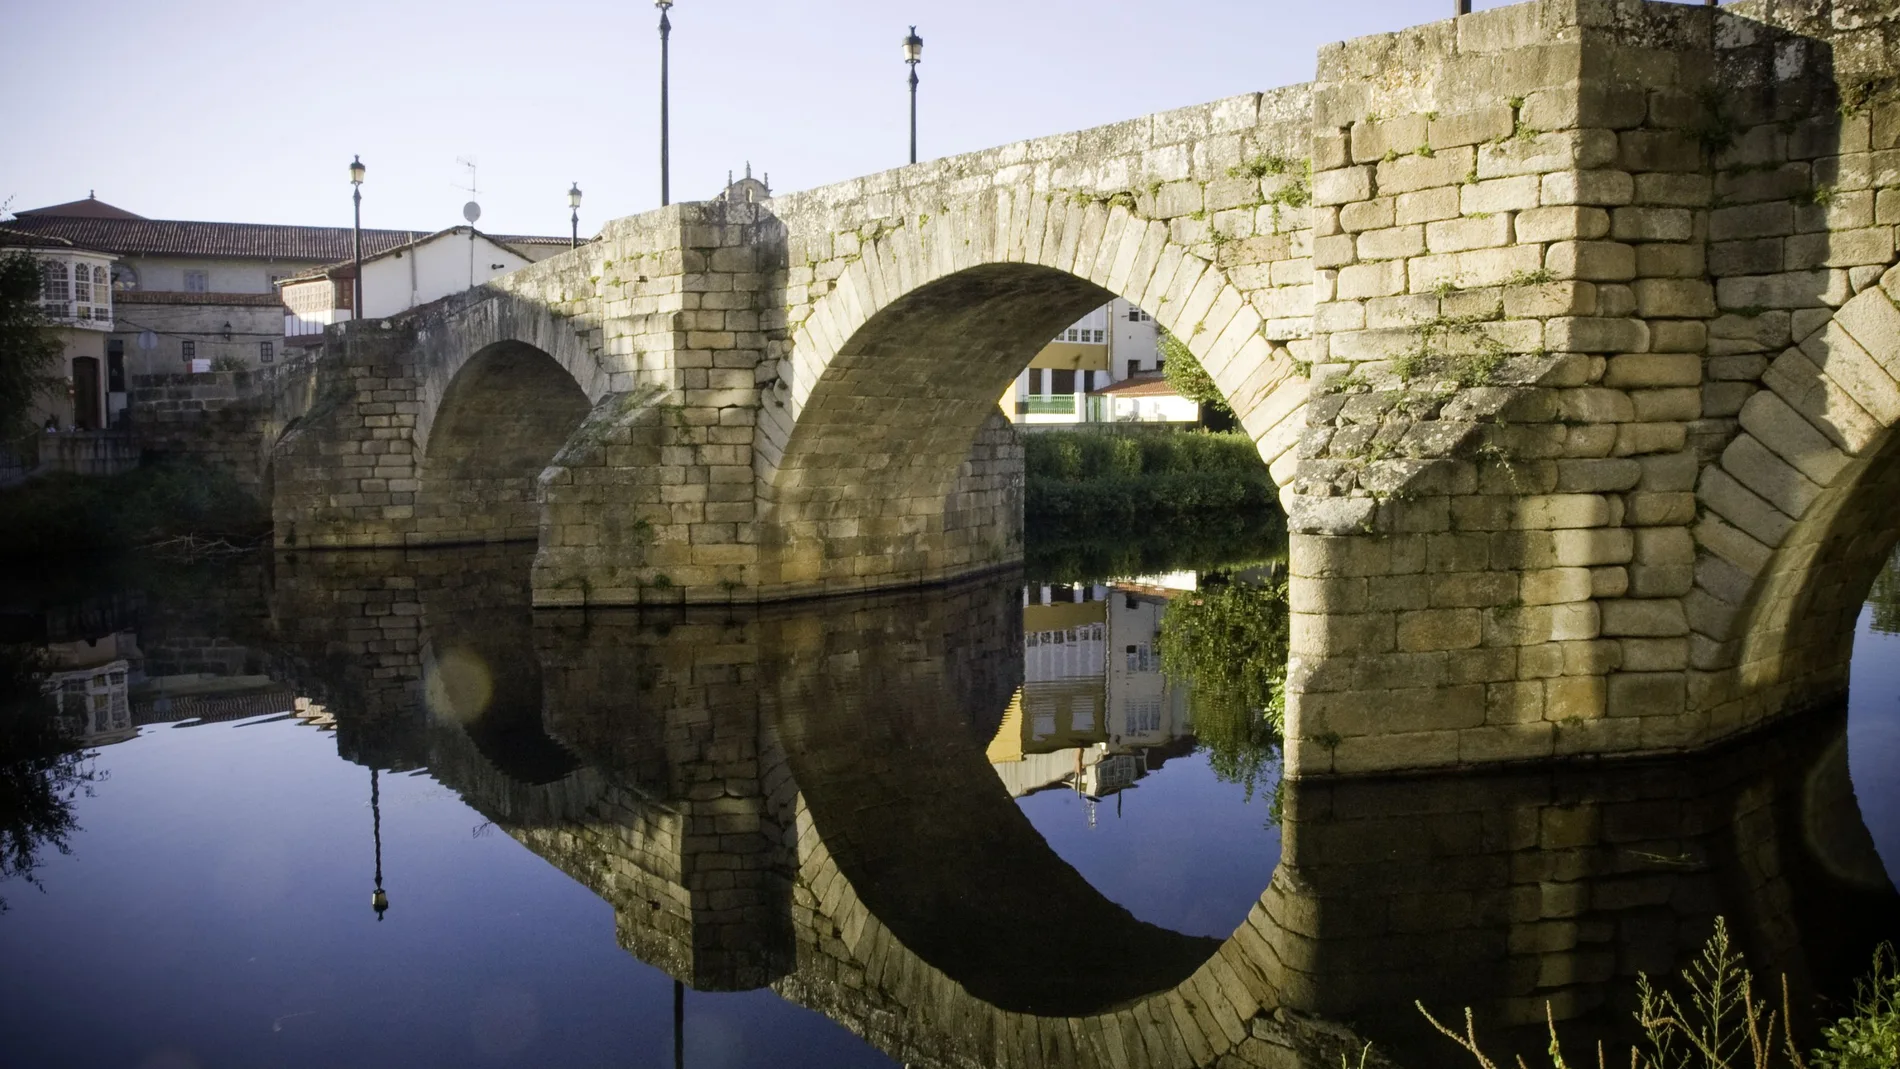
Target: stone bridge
{"x": 796, "y": 796}
{"x": 1567, "y": 330}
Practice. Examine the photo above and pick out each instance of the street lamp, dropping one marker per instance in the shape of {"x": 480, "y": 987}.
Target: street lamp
{"x": 356, "y": 233}
{"x": 574, "y": 202}
{"x": 913, "y": 55}
{"x": 666, "y": 30}
{"x": 378, "y": 901}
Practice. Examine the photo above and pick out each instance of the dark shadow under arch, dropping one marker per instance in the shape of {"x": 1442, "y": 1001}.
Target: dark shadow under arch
{"x": 502, "y": 419}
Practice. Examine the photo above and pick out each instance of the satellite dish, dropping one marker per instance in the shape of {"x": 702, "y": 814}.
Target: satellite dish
{"x": 471, "y": 211}
{"x": 148, "y": 340}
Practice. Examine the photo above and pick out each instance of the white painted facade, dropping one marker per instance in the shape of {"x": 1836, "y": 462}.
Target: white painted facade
{"x": 437, "y": 266}
{"x": 1111, "y": 344}
{"x": 454, "y": 260}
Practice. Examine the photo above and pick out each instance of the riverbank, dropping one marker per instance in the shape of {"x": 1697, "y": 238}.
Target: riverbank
{"x": 62, "y": 515}
{"x": 1079, "y": 476}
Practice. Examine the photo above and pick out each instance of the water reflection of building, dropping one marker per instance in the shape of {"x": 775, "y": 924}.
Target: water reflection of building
{"x": 89, "y": 680}
{"x": 1094, "y": 713}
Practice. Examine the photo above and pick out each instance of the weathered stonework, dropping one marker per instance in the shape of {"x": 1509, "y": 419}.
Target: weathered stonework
{"x": 1567, "y": 329}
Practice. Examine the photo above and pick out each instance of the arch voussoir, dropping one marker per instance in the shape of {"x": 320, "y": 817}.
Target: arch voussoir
{"x": 1800, "y": 511}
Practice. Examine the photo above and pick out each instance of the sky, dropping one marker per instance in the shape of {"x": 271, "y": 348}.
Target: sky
{"x": 241, "y": 111}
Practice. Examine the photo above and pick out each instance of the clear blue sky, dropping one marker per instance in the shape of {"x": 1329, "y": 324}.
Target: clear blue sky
{"x": 225, "y": 110}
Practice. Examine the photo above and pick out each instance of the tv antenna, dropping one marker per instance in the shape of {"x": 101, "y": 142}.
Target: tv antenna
{"x": 468, "y": 162}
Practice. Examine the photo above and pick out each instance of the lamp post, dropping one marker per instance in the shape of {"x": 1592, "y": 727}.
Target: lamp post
{"x": 378, "y": 901}
{"x": 574, "y": 202}
{"x": 666, "y": 31}
{"x": 913, "y": 55}
{"x": 356, "y": 236}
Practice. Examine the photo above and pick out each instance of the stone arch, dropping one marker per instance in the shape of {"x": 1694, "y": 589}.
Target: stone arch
{"x": 896, "y": 370}
{"x": 501, "y": 420}
{"x": 1799, "y": 513}
{"x": 449, "y": 340}
{"x": 504, "y": 383}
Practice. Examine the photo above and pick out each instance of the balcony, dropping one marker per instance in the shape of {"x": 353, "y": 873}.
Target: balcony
{"x": 78, "y": 314}
{"x": 1061, "y": 404}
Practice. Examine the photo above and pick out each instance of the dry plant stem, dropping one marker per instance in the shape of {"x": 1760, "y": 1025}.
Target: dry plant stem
{"x": 1469, "y": 1040}
{"x": 1787, "y": 1016}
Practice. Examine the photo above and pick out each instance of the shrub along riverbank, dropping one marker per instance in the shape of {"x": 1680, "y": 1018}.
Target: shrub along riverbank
{"x": 1083, "y": 475}
{"x": 1080, "y": 551}
{"x": 62, "y": 514}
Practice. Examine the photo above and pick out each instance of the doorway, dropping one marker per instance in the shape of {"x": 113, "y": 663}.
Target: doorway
{"x": 86, "y": 393}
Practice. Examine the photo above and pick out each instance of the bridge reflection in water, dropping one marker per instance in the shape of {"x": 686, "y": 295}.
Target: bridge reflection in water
{"x": 799, "y": 796}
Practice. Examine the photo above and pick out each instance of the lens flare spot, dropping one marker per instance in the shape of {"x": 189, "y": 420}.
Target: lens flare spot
{"x": 459, "y": 686}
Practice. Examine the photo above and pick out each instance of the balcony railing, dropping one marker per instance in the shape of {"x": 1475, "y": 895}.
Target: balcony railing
{"x": 1061, "y": 404}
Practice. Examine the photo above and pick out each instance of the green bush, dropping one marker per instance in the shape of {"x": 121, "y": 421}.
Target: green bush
{"x": 1088, "y": 550}
{"x": 1230, "y": 640}
{"x": 64, "y": 514}
{"x": 1868, "y": 1038}
{"x": 1078, "y": 474}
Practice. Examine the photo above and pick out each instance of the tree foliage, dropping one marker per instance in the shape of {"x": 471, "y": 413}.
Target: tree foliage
{"x": 1076, "y": 475}
{"x": 41, "y": 772}
{"x": 28, "y": 351}
{"x": 1189, "y": 379}
{"x": 1885, "y": 597}
{"x": 1230, "y": 642}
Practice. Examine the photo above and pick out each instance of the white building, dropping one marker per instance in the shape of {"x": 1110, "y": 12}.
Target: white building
{"x": 396, "y": 280}
{"x": 1068, "y": 380}
{"x": 76, "y": 298}
{"x": 1094, "y": 713}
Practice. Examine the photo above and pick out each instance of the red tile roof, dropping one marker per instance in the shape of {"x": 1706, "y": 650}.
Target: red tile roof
{"x": 131, "y": 235}
{"x": 1139, "y": 386}
{"x": 90, "y": 208}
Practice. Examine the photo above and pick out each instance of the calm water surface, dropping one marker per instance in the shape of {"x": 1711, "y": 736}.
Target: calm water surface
{"x": 571, "y": 810}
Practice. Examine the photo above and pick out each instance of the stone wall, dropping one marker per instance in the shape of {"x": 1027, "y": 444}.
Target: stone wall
{"x": 227, "y": 419}
{"x": 1533, "y": 214}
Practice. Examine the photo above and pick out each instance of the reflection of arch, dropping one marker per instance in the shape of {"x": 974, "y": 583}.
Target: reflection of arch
{"x": 893, "y": 774}
{"x": 501, "y": 419}
{"x": 480, "y": 678}
{"x": 1802, "y": 510}
{"x": 896, "y": 369}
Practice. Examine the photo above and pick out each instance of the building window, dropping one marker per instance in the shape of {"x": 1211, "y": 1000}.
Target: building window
{"x": 54, "y": 288}
{"x": 1062, "y": 381}
{"x": 188, "y": 349}
{"x": 82, "y": 285}
{"x": 1134, "y": 368}
{"x": 265, "y": 352}
{"x": 197, "y": 282}
{"x": 101, "y": 294}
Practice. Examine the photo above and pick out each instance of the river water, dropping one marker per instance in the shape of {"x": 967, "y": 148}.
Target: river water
{"x": 855, "y": 832}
